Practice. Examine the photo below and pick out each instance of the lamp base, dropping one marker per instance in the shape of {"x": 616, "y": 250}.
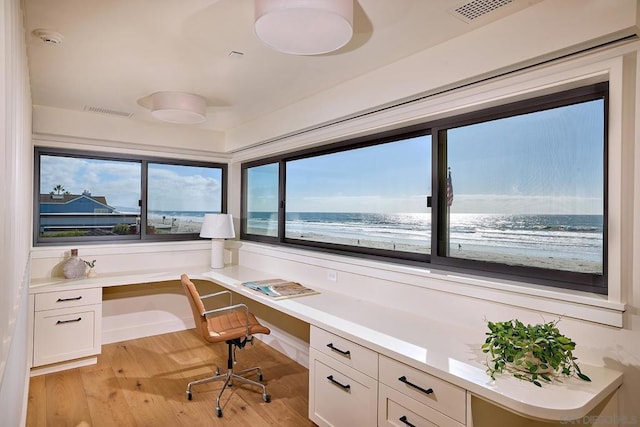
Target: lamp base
{"x": 217, "y": 253}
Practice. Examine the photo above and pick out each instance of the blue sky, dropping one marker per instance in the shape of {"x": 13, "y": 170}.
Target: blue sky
{"x": 170, "y": 187}
{"x": 546, "y": 162}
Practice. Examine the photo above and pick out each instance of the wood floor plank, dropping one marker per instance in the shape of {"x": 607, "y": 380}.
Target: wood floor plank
{"x": 148, "y": 405}
{"x": 142, "y": 382}
{"x": 107, "y": 403}
{"x": 66, "y": 400}
{"x": 37, "y": 405}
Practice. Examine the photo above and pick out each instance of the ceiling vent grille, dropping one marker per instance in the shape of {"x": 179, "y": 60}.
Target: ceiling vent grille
{"x": 477, "y": 8}
{"x": 107, "y": 111}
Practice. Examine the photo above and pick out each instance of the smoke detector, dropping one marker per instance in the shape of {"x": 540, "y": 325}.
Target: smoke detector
{"x": 48, "y": 36}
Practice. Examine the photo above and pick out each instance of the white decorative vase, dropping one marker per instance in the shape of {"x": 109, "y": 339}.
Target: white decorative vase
{"x": 74, "y": 268}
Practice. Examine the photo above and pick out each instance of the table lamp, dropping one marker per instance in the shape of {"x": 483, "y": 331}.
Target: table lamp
{"x": 217, "y": 227}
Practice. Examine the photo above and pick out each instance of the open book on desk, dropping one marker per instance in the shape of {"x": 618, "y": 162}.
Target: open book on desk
{"x": 279, "y": 288}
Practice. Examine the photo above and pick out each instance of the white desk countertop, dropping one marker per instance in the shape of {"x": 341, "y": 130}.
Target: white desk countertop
{"x": 442, "y": 349}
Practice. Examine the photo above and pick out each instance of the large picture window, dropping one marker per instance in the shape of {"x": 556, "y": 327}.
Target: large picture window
{"x": 262, "y": 199}
{"x": 373, "y": 197}
{"x": 89, "y": 197}
{"x": 531, "y": 189}
{"x": 515, "y": 191}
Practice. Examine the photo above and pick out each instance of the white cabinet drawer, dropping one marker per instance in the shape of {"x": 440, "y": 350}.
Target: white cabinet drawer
{"x": 427, "y": 389}
{"x": 345, "y": 351}
{"x": 399, "y": 410}
{"x": 65, "y": 334}
{"x": 67, "y": 298}
{"x": 339, "y": 395}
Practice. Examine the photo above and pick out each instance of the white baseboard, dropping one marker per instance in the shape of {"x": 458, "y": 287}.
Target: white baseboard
{"x": 287, "y": 344}
{"x": 144, "y": 330}
{"x": 62, "y": 366}
{"x": 25, "y": 398}
{"x": 292, "y": 347}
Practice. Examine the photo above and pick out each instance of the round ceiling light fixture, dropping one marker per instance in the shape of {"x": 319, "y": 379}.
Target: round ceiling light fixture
{"x": 304, "y": 27}
{"x": 178, "y": 107}
{"x": 48, "y": 36}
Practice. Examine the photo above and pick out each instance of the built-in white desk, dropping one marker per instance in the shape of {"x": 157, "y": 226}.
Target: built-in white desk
{"x": 442, "y": 351}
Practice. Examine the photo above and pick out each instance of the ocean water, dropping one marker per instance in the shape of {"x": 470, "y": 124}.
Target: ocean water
{"x": 559, "y": 236}
{"x": 578, "y": 238}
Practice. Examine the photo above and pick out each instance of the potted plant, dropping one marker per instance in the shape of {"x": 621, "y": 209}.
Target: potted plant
{"x": 533, "y": 353}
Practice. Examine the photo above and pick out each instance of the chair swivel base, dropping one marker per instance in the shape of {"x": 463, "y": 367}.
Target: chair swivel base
{"x": 228, "y": 378}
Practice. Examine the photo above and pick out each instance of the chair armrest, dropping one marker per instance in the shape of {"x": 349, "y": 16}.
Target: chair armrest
{"x": 203, "y": 297}
{"x": 231, "y": 308}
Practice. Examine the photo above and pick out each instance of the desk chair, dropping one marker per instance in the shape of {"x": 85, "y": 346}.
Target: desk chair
{"x": 232, "y": 324}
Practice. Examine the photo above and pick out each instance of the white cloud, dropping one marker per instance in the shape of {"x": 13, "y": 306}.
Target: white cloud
{"x": 169, "y": 190}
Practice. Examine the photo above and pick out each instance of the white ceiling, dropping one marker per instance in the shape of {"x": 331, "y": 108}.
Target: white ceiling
{"x": 117, "y": 52}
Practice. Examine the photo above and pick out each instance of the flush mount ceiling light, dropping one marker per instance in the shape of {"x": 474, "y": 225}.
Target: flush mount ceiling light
{"x": 178, "y": 107}
{"x": 304, "y": 27}
{"x": 49, "y": 37}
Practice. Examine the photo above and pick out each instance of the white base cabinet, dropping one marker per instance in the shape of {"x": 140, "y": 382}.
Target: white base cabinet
{"x": 339, "y": 395}
{"x": 66, "y": 325}
{"x": 441, "y": 402}
{"x": 351, "y": 385}
{"x": 343, "y": 384}
{"x": 399, "y": 410}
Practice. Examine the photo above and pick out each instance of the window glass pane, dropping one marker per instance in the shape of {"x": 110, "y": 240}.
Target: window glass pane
{"x": 178, "y": 196}
{"x": 84, "y": 197}
{"x": 529, "y": 189}
{"x": 372, "y": 197}
{"x": 262, "y": 200}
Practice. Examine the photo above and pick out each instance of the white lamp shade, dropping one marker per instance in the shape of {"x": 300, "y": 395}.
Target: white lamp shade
{"x": 218, "y": 226}
{"x": 304, "y": 27}
{"x": 178, "y": 107}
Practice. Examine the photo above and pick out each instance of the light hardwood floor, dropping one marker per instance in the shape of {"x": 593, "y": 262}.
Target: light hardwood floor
{"x": 142, "y": 382}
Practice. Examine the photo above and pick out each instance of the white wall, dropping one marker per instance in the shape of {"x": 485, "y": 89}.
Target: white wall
{"x": 15, "y": 213}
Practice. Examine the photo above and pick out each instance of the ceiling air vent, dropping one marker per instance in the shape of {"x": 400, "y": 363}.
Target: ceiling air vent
{"x": 107, "y": 111}
{"x": 477, "y": 8}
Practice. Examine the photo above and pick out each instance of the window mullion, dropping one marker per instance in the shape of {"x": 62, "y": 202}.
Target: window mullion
{"x": 282, "y": 202}
{"x": 439, "y": 217}
{"x": 143, "y": 202}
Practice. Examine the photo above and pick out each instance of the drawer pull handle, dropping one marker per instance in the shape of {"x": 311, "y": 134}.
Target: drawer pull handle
{"x": 417, "y": 387}
{"x": 69, "y": 299}
{"x": 403, "y": 419}
{"x": 60, "y": 322}
{"x": 345, "y": 387}
{"x": 337, "y": 350}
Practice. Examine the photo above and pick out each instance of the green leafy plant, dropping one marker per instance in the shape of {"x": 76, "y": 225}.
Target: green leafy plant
{"x": 121, "y": 229}
{"x": 533, "y": 353}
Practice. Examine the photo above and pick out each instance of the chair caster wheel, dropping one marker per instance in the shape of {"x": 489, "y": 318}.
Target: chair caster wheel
{"x": 219, "y": 412}
{"x": 266, "y": 398}
{"x": 189, "y": 395}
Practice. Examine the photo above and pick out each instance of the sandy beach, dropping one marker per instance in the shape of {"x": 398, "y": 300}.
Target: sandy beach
{"x": 177, "y": 225}
{"x": 555, "y": 263}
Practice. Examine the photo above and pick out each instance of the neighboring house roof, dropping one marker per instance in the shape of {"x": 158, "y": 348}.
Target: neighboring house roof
{"x": 62, "y": 200}
{"x": 65, "y": 198}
